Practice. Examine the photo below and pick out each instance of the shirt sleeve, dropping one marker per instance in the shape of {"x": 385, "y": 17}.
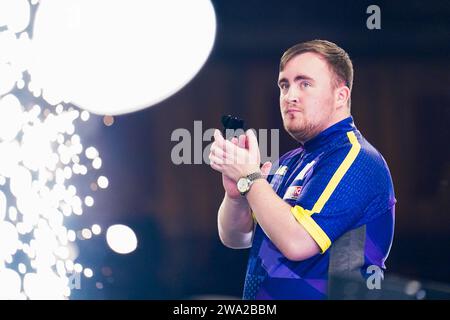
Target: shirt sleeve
{"x": 343, "y": 192}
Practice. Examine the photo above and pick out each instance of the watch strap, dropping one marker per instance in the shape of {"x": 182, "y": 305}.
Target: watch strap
{"x": 254, "y": 176}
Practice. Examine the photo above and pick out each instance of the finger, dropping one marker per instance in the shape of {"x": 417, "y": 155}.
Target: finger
{"x": 242, "y": 140}
{"x": 252, "y": 141}
{"x": 265, "y": 169}
{"x": 216, "y": 167}
{"x": 228, "y": 147}
{"x": 218, "y": 152}
{"x": 215, "y": 160}
{"x": 218, "y": 138}
{"x": 234, "y": 140}
{"x": 215, "y": 147}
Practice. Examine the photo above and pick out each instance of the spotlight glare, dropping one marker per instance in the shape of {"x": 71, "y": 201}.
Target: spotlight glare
{"x": 89, "y": 201}
{"x": 96, "y": 229}
{"x": 103, "y": 182}
{"x": 10, "y": 284}
{"x": 97, "y": 163}
{"x": 88, "y": 273}
{"x": 121, "y": 239}
{"x": 83, "y": 76}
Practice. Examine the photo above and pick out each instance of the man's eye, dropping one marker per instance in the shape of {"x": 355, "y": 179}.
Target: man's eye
{"x": 283, "y": 86}
{"x": 305, "y": 84}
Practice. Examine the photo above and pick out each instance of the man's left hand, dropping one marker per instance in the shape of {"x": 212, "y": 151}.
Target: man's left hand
{"x": 232, "y": 160}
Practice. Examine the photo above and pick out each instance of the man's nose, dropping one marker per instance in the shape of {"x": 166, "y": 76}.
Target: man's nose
{"x": 292, "y": 95}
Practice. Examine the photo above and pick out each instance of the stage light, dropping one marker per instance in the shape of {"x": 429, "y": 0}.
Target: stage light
{"x": 10, "y": 284}
{"x": 97, "y": 163}
{"x": 9, "y": 240}
{"x": 91, "y": 153}
{"x": 88, "y": 273}
{"x": 45, "y": 284}
{"x": 135, "y": 57}
{"x": 121, "y": 238}
{"x": 38, "y": 151}
{"x": 86, "y": 233}
{"x": 115, "y": 57}
{"x": 2, "y": 205}
{"x": 11, "y": 114}
{"x": 15, "y": 14}
{"x": 96, "y": 229}
{"x": 103, "y": 182}
{"x": 89, "y": 201}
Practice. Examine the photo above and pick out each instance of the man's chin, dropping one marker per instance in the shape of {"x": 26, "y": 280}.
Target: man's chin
{"x": 300, "y": 134}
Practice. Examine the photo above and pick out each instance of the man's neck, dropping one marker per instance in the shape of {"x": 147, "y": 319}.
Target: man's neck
{"x": 337, "y": 117}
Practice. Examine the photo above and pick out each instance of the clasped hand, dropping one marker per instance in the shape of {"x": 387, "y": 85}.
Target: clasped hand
{"x": 236, "y": 158}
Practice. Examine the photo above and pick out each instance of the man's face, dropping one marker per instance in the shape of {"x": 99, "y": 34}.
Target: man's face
{"x": 306, "y": 96}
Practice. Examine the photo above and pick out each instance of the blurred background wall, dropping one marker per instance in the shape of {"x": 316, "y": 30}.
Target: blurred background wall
{"x": 400, "y": 102}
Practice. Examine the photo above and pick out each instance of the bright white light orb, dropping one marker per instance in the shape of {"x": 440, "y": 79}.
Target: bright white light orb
{"x": 9, "y": 240}
{"x": 121, "y": 239}
{"x": 96, "y": 229}
{"x": 78, "y": 268}
{"x": 8, "y": 78}
{"x": 10, "y": 284}
{"x": 12, "y": 213}
{"x": 2, "y": 205}
{"x": 10, "y": 117}
{"x": 124, "y": 55}
{"x": 89, "y": 201}
{"x": 88, "y": 273}
{"x": 20, "y": 181}
{"x": 15, "y": 14}
{"x": 97, "y": 163}
{"x": 85, "y": 115}
{"x": 103, "y": 182}
{"x": 44, "y": 285}
{"x": 86, "y": 233}
{"x": 22, "y": 268}
{"x": 91, "y": 153}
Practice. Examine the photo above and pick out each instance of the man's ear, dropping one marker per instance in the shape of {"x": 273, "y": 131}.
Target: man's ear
{"x": 342, "y": 96}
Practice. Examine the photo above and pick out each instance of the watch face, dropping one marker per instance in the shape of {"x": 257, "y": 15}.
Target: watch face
{"x": 243, "y": 185}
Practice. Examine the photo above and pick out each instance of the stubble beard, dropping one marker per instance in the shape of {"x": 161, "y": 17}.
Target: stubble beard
{"x": 300, "y": 129}
{"x": 301, "y": 133}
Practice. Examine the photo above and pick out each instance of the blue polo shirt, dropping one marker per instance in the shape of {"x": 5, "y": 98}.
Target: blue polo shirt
{"x": 340, "y": 190}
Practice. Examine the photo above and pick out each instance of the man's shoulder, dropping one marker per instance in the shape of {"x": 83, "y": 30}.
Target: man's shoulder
{"x": 354, "y": 141}
{"x": 357, "y": 153}
{"x": 370, "y": 156}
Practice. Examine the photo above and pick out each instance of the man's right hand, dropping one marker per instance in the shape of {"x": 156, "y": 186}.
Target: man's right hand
{"x": 229, "y": 184}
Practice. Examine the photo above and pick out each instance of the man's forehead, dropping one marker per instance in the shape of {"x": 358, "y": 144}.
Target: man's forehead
{"x": 307, "y": 63}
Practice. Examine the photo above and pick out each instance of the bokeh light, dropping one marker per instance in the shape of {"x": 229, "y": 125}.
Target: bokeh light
{"x": 121, "y": 238}
{"x": 43, "y": 157}
{"x": 41, "y": 154}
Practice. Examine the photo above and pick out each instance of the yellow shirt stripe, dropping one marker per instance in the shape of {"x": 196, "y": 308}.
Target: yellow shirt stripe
{"x": 303, "y": 216}
{"x": 340, "y": 172}
{"x": 315, "y": 231}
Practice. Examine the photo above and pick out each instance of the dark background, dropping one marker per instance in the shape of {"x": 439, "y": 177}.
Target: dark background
{"x": 400, "y": 102}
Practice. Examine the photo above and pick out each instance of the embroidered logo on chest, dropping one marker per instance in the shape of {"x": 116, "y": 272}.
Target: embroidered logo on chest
{"x": 292, "y": 193}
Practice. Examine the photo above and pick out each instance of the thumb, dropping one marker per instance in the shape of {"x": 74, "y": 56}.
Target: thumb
{"x": 265, "y": 169}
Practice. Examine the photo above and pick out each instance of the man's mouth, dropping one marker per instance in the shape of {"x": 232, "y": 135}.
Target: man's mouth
{"x": 292, "y": 110}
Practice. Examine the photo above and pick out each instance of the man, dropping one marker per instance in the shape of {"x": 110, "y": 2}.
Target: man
{"x": 329, "y": 207}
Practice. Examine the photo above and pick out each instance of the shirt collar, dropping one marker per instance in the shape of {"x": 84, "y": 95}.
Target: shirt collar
{"x": 329, "y": 134}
